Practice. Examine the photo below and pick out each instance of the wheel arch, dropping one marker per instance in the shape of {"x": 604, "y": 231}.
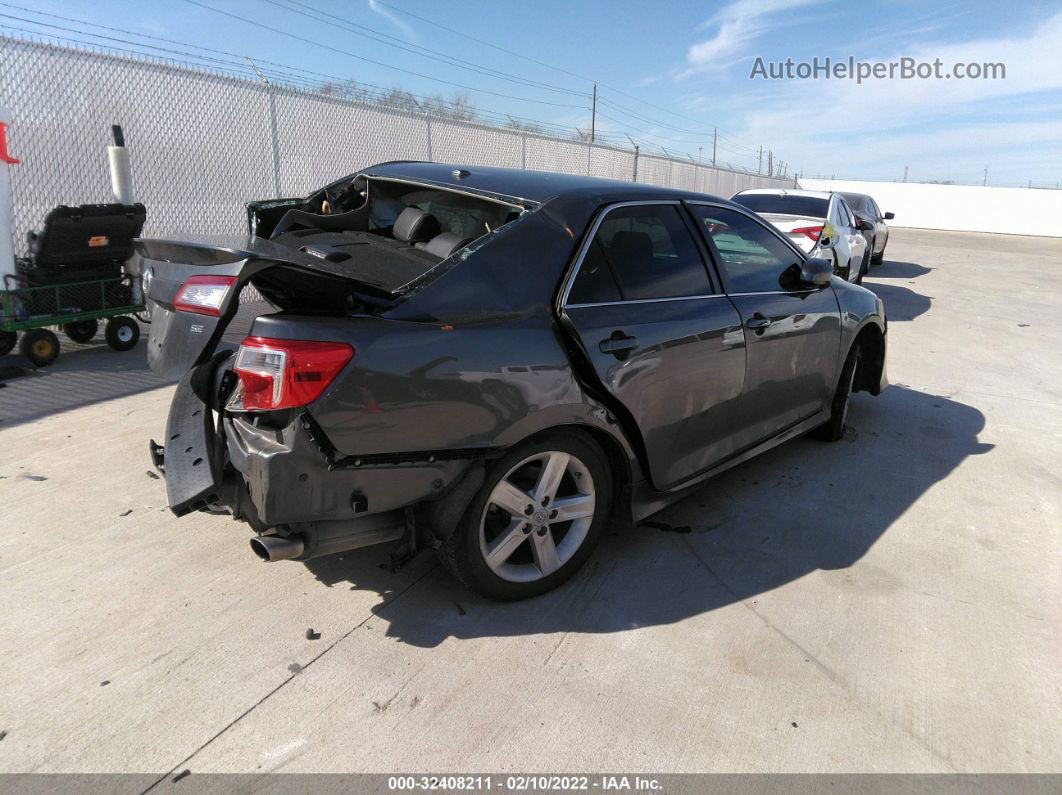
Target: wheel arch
{"x": 871, "y": 341}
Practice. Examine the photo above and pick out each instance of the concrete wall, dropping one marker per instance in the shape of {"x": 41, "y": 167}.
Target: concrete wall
{"x": 965, "y": 208}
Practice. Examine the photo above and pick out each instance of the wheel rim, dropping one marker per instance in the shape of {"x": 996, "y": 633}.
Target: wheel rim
{"x": 537, "y": 516}
{"x": 42, "y": 349}
{"x": 125, "y": 334}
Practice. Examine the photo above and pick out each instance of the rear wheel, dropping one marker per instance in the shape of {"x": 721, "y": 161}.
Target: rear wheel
{"x": 7, "y": 342}
{"x": 122, "y": 333}
{"x": 536, "y": 519}
{"x": 879, "y": 258}
{"x": 40, "y": 346}
{"x": 82, "y": 330}
{"x": 833, "y": 429}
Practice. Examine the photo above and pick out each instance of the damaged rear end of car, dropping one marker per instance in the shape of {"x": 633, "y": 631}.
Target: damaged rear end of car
{"x": 246, "y": 428}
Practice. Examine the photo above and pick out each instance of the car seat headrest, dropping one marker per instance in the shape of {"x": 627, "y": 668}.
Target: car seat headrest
{"x": 413, "y": 225}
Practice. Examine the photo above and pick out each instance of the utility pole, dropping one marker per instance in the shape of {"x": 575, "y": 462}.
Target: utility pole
{"x": 700, "y": 151}
{"x": 759, "y": 165}
{"x": 715, "y": 135}
{"x": 770, "y": 163}
{"x": 634, "y": 177}
{"x": 593, "y": 115}
{"x": 905, "y": 173}
{"x": 985, "y": 180}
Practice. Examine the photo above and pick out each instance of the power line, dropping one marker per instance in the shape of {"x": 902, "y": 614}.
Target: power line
{"x": 378, "y": 94}
{"x": 320, "y": 45}
{"x": 416, "y": 49}
{"x": 535, "y": 61}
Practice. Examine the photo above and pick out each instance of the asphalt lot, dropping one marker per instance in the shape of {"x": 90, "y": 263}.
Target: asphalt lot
{"x": 891, "y": 602}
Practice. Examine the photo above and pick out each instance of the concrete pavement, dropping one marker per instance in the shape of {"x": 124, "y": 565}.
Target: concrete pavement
{"x": 891, "y": 602}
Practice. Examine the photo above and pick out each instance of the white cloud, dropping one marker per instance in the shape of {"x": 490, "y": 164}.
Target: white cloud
{"x": 737, "y": 23}
{"x": 944, "y": 128}
{"x": 401, "y": 24}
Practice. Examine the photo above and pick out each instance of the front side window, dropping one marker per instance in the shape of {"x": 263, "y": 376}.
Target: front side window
{"x": 753, "y": 257}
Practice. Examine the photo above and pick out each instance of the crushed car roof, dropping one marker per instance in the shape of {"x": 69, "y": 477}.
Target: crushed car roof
{"x": 515, "y": 183}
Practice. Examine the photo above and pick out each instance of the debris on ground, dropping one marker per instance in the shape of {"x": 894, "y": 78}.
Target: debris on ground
{"x": 105, "y": 682}
{"x": 667, "y": 528}
{"x": 183, "y": 774}
{"x": 151, "y": 474}
{"x": 295, "y": 668}
{"x": 126, "y": 513}
{"x": 311, "y": 635}
{"x": 37, "y": 478}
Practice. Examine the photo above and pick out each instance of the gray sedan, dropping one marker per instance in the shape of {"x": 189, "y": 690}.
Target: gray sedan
{"x": 492, "y": 363}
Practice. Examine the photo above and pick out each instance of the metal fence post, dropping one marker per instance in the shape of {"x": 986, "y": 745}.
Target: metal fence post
{"x": 523, "y": 151}
{"x": 634, "y": 177}
{"x": 276, "y": 138}
{"x": 427, "y": 116}
{"x": 275, "y": 135}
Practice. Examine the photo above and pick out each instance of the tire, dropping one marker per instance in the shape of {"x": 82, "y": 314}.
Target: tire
{"x": 543, "y": 552}
{"x": 7, "y": 342}
{"x": 879, "y": 258}
{"x": 81, "y": 331}
{"x": 40, "y": 346}
{"x": 833, "y": 429}
{"x": 122, "y": 333}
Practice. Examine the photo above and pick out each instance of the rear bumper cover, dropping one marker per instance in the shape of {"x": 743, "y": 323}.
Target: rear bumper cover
{"x": 279, "y": 476}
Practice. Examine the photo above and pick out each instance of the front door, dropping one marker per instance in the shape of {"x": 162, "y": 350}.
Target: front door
{"x": 663, "y": 340}
{"x": 793, "y": 333}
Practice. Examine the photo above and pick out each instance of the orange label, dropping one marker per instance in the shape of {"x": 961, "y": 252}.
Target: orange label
{"x": 98, "y": 240}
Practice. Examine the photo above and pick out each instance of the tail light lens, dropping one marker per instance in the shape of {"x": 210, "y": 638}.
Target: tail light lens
{"x": 282, "y": 374}
{"x": 811, "y": 232}
{"x": 203, "y": 295}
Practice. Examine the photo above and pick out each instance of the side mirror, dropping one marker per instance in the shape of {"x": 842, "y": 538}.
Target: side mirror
{"x": 865, "y": 226}
{"x": 889, "y": 216}
{"x": 816, "y": 272}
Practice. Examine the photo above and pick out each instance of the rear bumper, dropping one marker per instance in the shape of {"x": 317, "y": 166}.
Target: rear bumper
{"x": 280, "y": 479}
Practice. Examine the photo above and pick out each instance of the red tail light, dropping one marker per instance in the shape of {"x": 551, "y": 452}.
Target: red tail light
{"x": 283, "y": 374}
{"x": 811, "y": 232}
{"x": 203, "y": 295}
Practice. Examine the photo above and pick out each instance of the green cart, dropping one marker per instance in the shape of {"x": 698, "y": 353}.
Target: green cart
{"x": 76, "y": 308}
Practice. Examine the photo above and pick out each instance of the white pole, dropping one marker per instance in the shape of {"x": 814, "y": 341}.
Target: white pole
{"x": 121, "y": 174}
{"x": 7, "y": 242}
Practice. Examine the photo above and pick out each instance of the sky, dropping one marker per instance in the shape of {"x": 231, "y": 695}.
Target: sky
{"x": 674, "y": 75}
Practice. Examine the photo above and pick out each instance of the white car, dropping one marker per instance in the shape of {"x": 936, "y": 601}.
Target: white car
{"x": 819, "y": 223}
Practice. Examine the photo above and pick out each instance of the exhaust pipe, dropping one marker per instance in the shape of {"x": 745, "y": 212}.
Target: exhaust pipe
{"x": 314, "y": 539}
{"x": 273, "y": 548}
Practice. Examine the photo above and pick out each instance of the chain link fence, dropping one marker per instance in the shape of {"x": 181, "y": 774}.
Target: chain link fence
{"x": 202, "y": 143}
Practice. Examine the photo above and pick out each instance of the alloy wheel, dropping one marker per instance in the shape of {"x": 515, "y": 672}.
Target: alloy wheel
{"x": 537, "y": 516}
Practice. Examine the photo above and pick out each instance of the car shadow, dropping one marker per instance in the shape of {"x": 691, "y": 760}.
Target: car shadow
{"x": 804, "y": 507}
{"x": 894, "y": 269}
{"x": 901, "y": 303}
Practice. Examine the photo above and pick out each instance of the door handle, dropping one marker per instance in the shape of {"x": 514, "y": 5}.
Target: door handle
{"x": 757, "y": 322}
{"x": 619, "y": 344}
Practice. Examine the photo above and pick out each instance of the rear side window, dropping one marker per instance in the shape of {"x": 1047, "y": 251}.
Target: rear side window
{"x": 652, "y": 253}
{"x": 594, "y": 284}
{"x": 807, "y": 206}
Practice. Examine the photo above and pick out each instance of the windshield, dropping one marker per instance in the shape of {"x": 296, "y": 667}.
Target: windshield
{"x": 808, "y": 206}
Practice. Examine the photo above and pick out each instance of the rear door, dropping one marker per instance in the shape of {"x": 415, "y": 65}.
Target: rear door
{"x": 661, "y": 337}
{"x": 793, "y": 333}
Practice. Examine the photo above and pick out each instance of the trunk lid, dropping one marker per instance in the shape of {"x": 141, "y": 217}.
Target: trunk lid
{"x": 312, "y": 280}
{"x": 786, "y": 224}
